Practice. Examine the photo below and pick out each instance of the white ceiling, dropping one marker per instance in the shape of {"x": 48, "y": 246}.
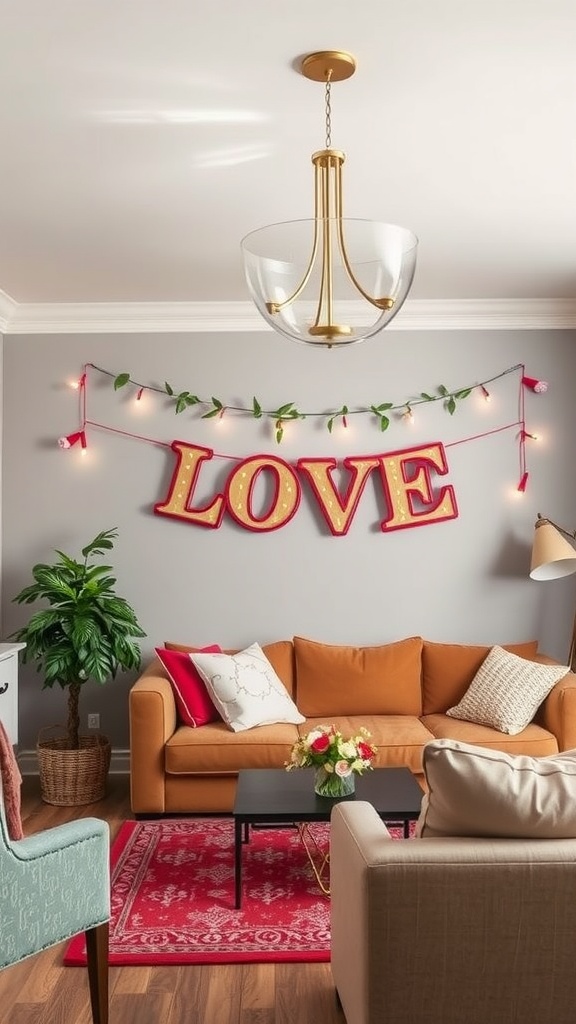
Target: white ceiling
{"x": 141, "y": 139}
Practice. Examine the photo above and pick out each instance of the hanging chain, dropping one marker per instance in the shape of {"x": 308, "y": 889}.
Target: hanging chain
{"x": 328, "y": 112}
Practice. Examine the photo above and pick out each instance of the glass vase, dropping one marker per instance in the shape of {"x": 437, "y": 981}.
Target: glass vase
{"x": 332, "y": 785}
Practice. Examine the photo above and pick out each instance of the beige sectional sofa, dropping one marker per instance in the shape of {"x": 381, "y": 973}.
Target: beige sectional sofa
{"x": 399, "y": 691}
{"x": 451, "y": 930}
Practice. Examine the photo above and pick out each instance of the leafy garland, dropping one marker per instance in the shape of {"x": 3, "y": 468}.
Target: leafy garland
{"x": 288, "y": 411}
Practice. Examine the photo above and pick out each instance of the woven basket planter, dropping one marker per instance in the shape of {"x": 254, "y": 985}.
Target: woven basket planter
{"x": 69, "y": 778}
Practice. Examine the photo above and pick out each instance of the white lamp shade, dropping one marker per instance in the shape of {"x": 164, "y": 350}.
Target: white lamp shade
{"x": 552, "y": 555}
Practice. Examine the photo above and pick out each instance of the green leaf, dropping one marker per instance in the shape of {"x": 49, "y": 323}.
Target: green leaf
{"x": 284, "y": 409}
{"x": 377, "y": 409}
{"x": 103, "y": 542}
{"x": 463, "y": 394}
{"x": 330, "y": 424}
{"x": 426, "y": 397}
{"x": 168, "y": 389}
{"x": 217, "y": 403}
{"x": 210, "y": 414}
{"x": 256, "y": 408}
{"x": 443, "y": 390}
{"x": 384, "y": 423}
{"x": 451, "y": 405}
{"x": 279, "y": 432}
{"x": 121, "y": 380}
{"x": 184, "y": 400}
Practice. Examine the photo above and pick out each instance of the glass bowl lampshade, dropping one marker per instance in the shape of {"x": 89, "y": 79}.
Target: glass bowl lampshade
{"x": 349, "y": 307}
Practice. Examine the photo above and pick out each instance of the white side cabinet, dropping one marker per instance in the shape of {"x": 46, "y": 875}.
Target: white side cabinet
{"x": 9, "y": 688}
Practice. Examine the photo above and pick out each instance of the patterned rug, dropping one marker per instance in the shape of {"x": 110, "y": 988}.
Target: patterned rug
{"x": 173, "y": 896}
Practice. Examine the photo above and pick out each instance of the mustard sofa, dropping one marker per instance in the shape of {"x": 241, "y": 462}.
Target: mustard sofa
{"x": 399, "y": 691}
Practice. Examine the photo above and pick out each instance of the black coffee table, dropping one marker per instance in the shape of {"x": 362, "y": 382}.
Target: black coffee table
{"x": 275, "y": 796}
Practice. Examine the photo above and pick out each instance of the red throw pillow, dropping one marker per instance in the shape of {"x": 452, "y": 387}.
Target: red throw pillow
{"x": 194, "y": 705}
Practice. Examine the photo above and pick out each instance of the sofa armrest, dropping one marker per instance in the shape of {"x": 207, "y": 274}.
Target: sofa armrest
{"x": 445, "y": 930}
{"x": 558, "y": 712}
{"x": 153, "y": 719}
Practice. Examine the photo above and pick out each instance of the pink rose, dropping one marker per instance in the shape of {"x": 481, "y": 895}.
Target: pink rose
{"x": 320, "y": 744}
{"x": 343, "y": 769}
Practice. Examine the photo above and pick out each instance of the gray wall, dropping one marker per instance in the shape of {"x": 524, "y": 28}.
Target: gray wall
{"x": 465, "y": 580}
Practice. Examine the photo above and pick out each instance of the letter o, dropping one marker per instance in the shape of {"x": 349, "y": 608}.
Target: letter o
{"x": 285, "y": 498}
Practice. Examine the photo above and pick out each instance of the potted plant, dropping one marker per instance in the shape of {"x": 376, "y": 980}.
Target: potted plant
{"x": 86, "y": 633}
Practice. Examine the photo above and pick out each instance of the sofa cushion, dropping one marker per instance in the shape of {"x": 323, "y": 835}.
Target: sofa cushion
{"x": 399, "y": 739}
{"x": 448, "y": 670}
{"x": 246, "y": 689}
{"x": 473, "y": 791}
{"x": 280, "y": 654}
{"x": 215, "y": 749}
{"x": 534, "y": 739}
{"x": 194, "y": 705}
{"x": 507, "y": 691}
{"x": 333, "y": 680}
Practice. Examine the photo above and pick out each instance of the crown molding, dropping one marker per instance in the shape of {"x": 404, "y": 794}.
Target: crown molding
{"x": 7, "y": 310}
{"x": 242, "y": 317}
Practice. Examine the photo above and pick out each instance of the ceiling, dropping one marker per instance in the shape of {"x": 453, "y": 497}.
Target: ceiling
{"x": 140, "y": 140}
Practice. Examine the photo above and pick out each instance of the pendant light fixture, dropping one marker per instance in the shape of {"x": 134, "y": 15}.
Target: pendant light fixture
{"x": 329, "y": 281}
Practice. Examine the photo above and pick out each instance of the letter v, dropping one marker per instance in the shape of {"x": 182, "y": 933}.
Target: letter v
{"x": 338, "y": 510}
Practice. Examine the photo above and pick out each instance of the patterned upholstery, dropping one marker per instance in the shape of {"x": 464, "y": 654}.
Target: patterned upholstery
{"x": 52, "y": 886}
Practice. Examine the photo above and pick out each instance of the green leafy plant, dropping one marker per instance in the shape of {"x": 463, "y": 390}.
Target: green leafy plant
{"x": 86, "y": 633}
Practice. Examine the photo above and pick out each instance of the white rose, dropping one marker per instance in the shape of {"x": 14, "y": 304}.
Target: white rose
{"x": 347, "y": 749}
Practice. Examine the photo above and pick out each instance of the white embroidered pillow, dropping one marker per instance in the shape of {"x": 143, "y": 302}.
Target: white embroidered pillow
{"x": 476, "y": 791}
{"x": 507, "y": 691}
{"x": 245, "y": 689}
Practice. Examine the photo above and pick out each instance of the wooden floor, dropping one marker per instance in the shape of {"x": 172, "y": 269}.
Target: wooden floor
{"x": 40, "y": 991}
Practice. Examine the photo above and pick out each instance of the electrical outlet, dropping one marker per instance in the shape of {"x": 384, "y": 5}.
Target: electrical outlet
{"x": 93, "y": 721}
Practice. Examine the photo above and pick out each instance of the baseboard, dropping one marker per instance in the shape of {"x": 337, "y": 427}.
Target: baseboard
{"x": 119, "y": 763}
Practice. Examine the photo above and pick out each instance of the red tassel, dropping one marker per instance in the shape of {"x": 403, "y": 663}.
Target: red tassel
{"x": 71, "y": 439}
{"x": 539, "y": 386}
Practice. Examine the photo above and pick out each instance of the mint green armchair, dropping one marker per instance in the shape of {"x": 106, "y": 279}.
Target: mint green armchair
{"x": 52, "y": 886}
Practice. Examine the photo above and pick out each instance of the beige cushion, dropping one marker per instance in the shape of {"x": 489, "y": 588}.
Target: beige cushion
{"x": 245, "y": 689}
{"x": 507, "y": 691}
{"x": 448, "y": 670}
{"x": 474, "y": 791}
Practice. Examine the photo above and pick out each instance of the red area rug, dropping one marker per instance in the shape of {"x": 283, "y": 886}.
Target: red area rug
{"x": 173, "y": 896}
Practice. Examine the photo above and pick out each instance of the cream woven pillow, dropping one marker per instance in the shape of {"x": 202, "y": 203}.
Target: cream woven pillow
{"x": 475, "y": 791}
{"x": 507, "y": 691}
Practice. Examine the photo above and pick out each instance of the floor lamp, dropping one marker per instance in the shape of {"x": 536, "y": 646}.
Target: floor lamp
{"x": 552, "y": 558}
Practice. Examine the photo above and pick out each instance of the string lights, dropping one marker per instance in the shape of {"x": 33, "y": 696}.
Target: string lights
{"x": 215, "y": 409}
{"x": 183, "y": 400}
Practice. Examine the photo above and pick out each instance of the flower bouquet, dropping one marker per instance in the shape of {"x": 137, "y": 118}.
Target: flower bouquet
{"x": 336, "y": 760}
